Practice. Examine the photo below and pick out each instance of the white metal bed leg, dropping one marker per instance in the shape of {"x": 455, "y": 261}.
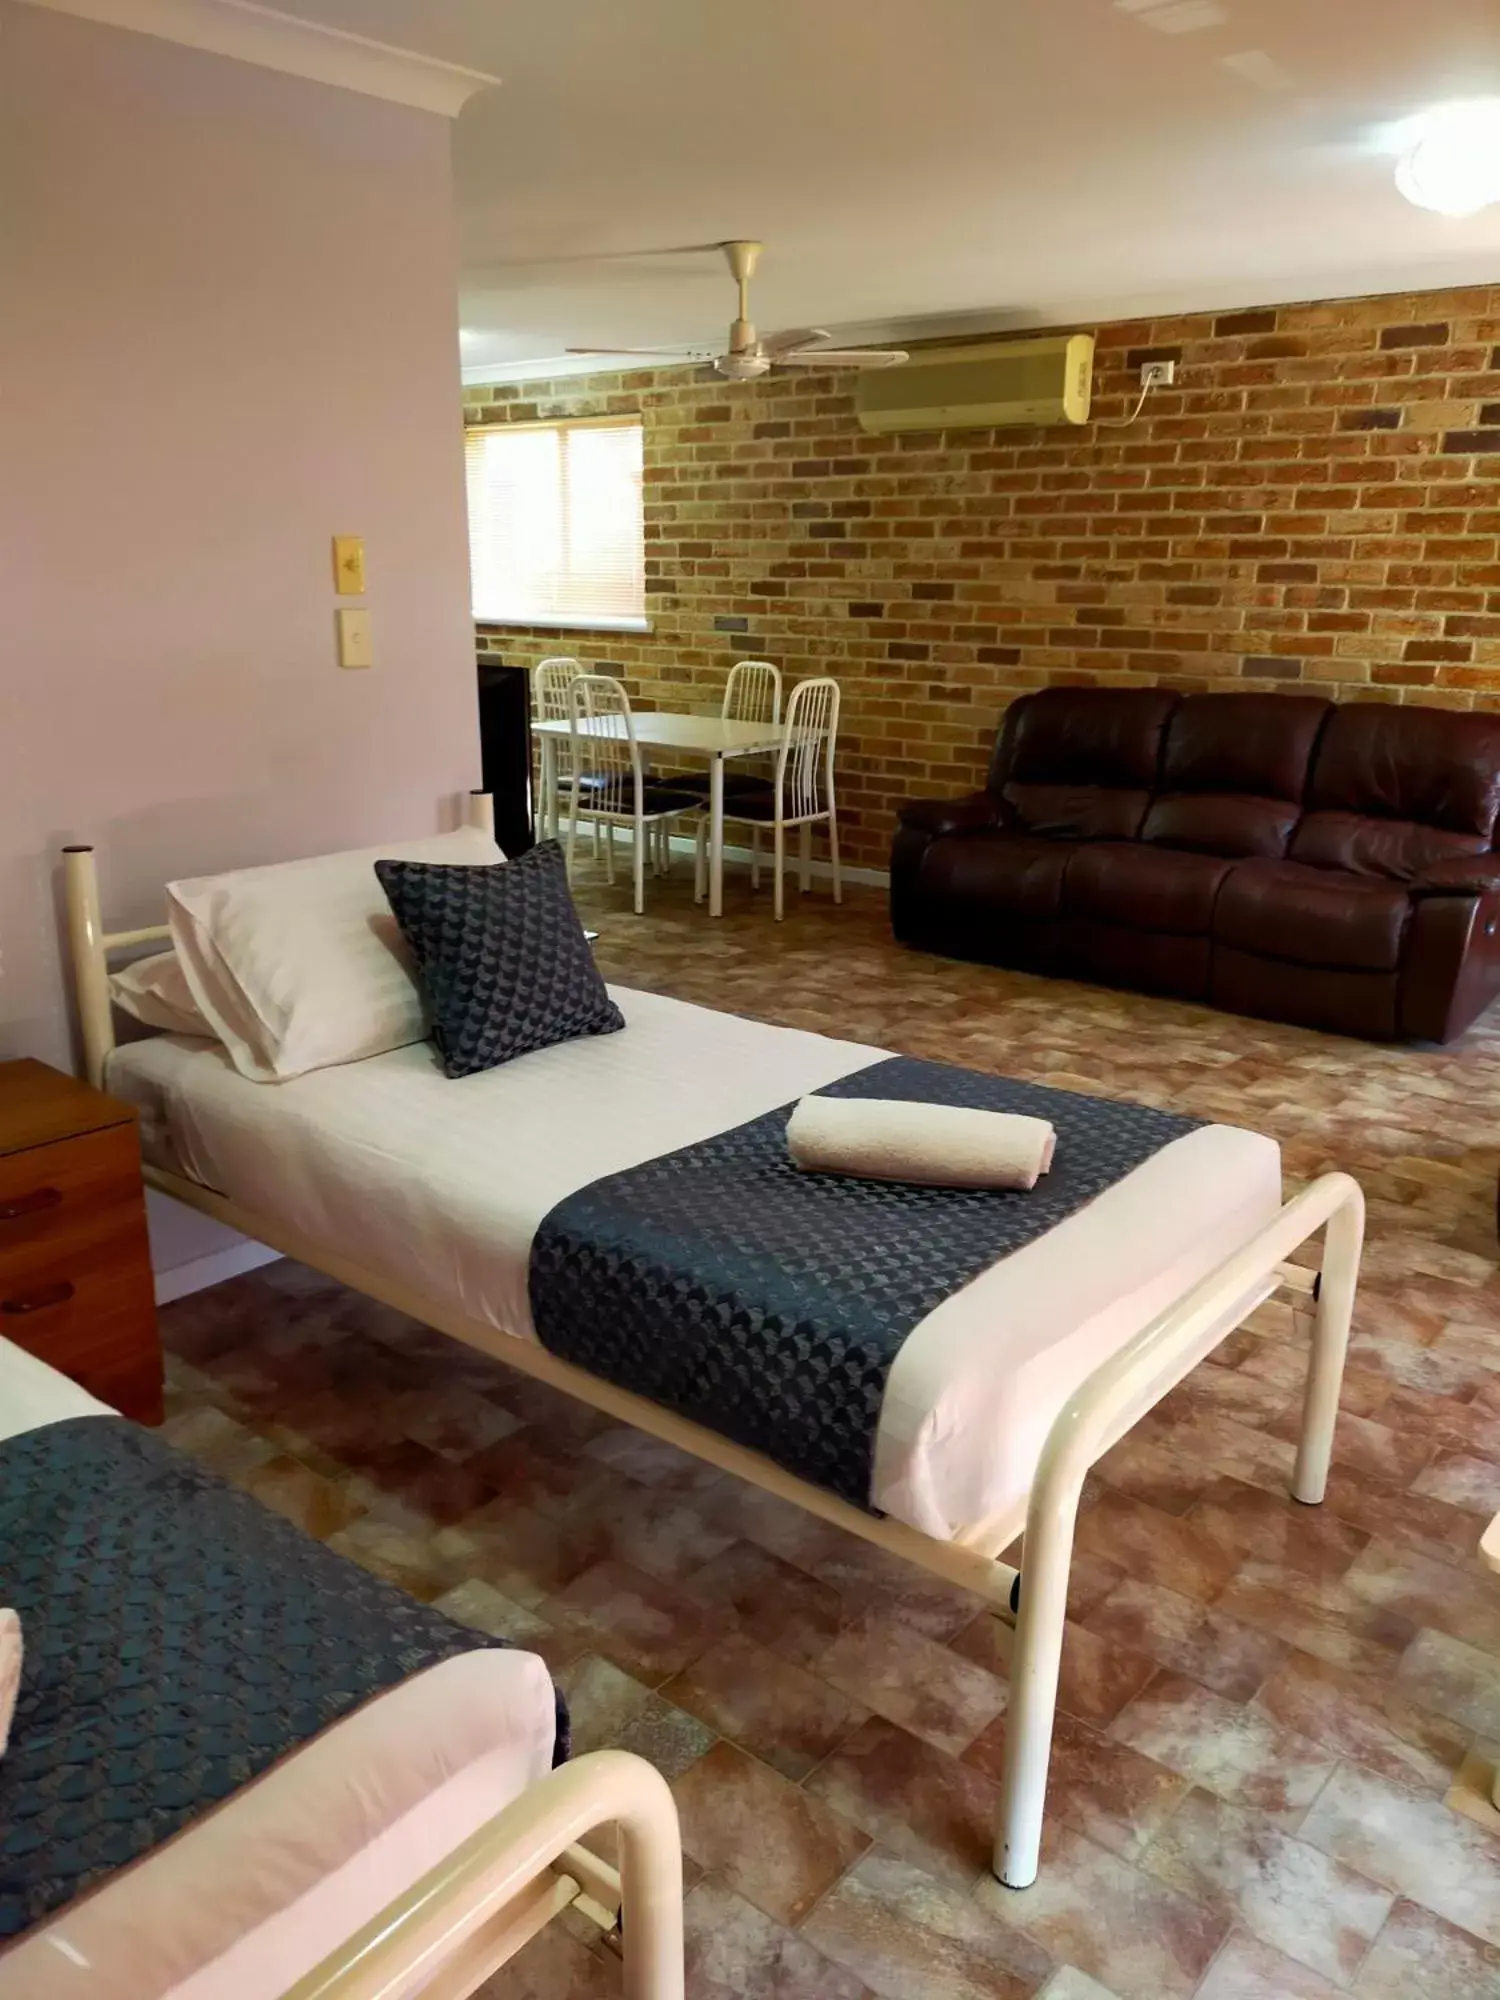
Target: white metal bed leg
{"x": 1047, "y": 1553}
{"x": 651, "y": 1899}
{"x": 1102, "y": 1409}
{"x": 638, "y": 861}
{"x": 1342, "y": 1245}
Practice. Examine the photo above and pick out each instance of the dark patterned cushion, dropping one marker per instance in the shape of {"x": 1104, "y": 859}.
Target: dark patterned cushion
{"x": 501, "y": 955}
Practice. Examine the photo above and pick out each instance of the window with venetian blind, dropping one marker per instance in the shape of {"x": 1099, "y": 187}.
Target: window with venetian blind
{"x": 556, "y": 528}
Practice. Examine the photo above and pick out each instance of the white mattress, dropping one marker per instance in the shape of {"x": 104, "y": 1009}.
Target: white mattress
{"x": 441, "y": 1186}
{"x": 254, "y": 1895}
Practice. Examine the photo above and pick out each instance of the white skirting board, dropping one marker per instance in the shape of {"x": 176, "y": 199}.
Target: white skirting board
{"x": 190, "y": 1251}
{"x": 201, "y": 1272}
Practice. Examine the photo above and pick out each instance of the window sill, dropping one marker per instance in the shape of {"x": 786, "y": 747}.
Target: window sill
{"x": 563, "y": 624}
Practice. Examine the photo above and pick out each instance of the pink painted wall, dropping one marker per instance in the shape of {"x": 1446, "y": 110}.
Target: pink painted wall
{"x": 227, "y": 331}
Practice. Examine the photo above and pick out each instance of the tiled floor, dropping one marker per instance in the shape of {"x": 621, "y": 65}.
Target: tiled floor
{"x": 1265, "y": 1707}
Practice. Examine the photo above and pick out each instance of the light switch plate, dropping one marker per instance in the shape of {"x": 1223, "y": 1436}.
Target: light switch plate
{"x": 356, "y": 642}
{"x": 349, "y": 565}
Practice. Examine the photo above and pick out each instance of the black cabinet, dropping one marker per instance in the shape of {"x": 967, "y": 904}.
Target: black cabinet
{"x": 505, "y": 748}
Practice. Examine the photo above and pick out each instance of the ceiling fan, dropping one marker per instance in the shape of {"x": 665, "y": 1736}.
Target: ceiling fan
{"x": 748, "y": 355}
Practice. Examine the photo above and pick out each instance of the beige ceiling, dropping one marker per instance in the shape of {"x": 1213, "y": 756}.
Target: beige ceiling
{"x": 920, "y": 163}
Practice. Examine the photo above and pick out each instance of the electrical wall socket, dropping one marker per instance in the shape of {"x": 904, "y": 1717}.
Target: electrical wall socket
{"x": 1158, "y": 374}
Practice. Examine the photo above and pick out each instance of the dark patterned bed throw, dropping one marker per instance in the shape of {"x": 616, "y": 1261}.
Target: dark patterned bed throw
{"x": 179, "y": 1638}
{"x": 768, "y": 1304}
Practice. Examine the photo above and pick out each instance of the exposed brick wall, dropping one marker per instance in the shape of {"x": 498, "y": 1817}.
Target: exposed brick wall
{"x": 1316, "y": 503}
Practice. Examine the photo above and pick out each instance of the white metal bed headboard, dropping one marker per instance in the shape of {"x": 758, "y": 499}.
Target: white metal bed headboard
{"x": 90, "y": 944}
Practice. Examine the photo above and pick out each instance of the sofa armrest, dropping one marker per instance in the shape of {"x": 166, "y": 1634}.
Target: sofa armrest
{"x": 1460, "y": 875}
{"x": 979, "y": 812}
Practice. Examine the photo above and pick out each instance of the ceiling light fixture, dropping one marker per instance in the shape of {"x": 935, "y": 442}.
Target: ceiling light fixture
{"x": 1452, "y": 158}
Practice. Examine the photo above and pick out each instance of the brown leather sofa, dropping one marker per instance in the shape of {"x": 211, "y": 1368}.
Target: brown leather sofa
{"x": 1273, "y": 854}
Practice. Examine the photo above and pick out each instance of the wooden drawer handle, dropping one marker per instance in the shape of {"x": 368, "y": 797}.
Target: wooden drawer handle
{"x": 49, "y": 1295}
{"x": 29, "y": 1204}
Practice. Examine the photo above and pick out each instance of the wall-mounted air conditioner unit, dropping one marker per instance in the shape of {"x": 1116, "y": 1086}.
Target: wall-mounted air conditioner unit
{"x": 989, "y": 387}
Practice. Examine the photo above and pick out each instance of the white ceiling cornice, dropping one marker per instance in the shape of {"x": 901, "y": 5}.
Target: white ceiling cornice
{"x": 278, "y": 41}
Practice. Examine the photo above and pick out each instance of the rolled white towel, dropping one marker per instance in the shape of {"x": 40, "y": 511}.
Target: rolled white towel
{"x": 935, "y": 1145}
{"x": 10, "y": 1671}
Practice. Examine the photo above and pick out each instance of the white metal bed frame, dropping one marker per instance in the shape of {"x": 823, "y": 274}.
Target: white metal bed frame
{"x": 475, "y": 1910}
{"x": 1105, "y": 1406}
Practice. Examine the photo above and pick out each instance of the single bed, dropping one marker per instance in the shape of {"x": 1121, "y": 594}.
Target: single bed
{"x": 424, "y": 1834}
{"x": 431, "y": 1197}
{"x": 443, "y": 1190}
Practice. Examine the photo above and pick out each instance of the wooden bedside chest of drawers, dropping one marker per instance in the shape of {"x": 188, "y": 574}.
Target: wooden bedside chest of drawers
{"x": 75, "y": 1266}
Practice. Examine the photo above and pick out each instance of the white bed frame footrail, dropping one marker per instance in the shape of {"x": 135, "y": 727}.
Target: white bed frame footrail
{"x": 1112, "y": 1399}
{"x": 513, "y": 1875}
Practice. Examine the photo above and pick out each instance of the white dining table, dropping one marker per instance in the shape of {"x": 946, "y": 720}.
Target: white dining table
{"x": 709, "y": 736}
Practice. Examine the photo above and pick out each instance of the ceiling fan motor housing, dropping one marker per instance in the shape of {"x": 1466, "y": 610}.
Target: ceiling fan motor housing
{"x": 742, "y": 367}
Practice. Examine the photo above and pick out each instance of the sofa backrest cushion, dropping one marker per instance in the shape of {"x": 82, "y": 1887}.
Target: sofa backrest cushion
{"x": 1395, "y": 789}
{"x": 1234, "y": 770}
{"x": 1081, "y": 763}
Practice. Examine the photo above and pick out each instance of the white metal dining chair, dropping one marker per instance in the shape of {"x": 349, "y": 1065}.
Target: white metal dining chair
{"x": 801, "y": 792}
{"x": 618, "y": 792}
{"x": 550, "y": 681}
{"x": 752, "y": 693}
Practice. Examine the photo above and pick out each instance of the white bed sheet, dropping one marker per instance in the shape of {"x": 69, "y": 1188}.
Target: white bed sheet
{"x": 255, "y": 1894}
{"x": 32, "y": 1394}
{"x": 441, "y": 1186}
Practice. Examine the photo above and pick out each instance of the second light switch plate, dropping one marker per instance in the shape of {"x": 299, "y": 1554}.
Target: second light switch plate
{"x": 356, "y": 642}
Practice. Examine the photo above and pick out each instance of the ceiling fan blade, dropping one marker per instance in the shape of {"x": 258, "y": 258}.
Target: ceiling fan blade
{"x": 802, "y": 336}
{"x": 843, "y": 357}
{"x": 675, "y": 353}
{"x": 632, "y": 255}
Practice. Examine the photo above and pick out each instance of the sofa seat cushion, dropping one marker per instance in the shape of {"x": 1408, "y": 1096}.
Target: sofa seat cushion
{"x": 1077, "y": 812}
{"x": 1006, "y": 874}
{"x": 1392, "y": 849}
{"x": 1221, "y": 823}
{"x": 1148, "y": 888}
{"x": 1312, "y": 916}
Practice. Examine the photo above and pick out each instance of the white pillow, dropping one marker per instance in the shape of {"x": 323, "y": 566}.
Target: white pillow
{"x": 302, "y": 965}
{"x": 155, "y": 990}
